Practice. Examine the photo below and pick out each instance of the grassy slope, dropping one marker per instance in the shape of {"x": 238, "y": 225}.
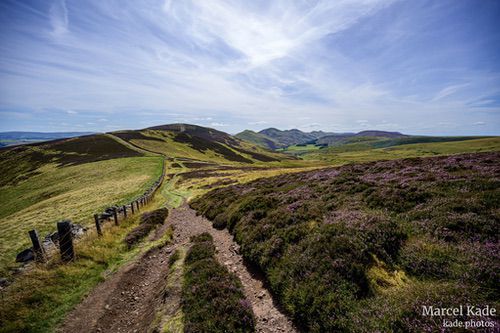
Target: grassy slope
{"x": 164, "y": 142}
{"x": 40, "y": 298}
{"x": 72, "y": 179}
{"x": 362, "y": 247}
{"x": 258, "y": 139}
{"x": 177, "y": 189}
{"x": 75, "y": 193}
{"x": 362, "y": 152}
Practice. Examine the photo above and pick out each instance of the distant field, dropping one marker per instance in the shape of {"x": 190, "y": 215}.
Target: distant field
{"x": 74, "y": 192}
{"x": 299, "y": 149}
{"x": 362, "y": 153}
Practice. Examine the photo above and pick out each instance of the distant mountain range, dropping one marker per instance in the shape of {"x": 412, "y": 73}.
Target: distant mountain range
{"x": 273, "y": 138}
{"x": 241, "y": 147}
{"x": 15, "y": 138}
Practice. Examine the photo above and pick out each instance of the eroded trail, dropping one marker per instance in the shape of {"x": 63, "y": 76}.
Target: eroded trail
{"x": 128, "y": 300}
{"x": 269, "y": 317}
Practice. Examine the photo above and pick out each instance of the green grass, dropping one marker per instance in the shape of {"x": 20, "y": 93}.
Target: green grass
{"x": 72, "y": 192}
{"x": 169, "y": 321}
{"x": 299, "y": 149}
{"x": 39, "y": 299}
{"x": 362, "y": 152}
{"x": 164, "y": 142}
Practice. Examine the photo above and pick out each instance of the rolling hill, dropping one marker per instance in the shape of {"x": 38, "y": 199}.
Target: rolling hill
{"x": 260, "y": 139}
{"x": 43, "y": 183}
{"x": 198, "y": 143}
{"x": 273, "y": 138}
{"x": 72, "y": 177}
{"x": 292, "y": 217}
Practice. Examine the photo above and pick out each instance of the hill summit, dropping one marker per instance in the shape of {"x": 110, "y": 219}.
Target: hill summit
{"x": 273, "y": 138}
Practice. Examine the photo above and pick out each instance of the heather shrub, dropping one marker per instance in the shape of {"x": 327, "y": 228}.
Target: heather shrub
{"x": 318, "y": 235}
{"x": 401, "y": 309}
{"x": 203, "y": 237}
{"x": 203, "y": 248}
{"x": 212, "y": 297}
{"x": 148, "y": 222}
{"x": 428, "y": 258}
{"x": 482, "y": 267}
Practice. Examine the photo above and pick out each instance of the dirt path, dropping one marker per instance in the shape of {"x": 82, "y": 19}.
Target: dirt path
{"x": 128, "y": 300}
{"x": 269, "y": 318}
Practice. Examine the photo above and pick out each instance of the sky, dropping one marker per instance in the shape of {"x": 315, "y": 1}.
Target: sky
{"x": 418, "y": 67}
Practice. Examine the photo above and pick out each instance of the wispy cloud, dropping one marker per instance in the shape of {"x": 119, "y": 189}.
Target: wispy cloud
{"x": 445, "y": 92}
{"x": 249, "y": 63}
{"x": 58, "y": 15}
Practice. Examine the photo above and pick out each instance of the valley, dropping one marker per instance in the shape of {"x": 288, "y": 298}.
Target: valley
{"x": 318, "y": 235}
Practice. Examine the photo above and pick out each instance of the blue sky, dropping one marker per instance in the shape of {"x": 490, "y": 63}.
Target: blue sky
{"x": 421, "y": 67}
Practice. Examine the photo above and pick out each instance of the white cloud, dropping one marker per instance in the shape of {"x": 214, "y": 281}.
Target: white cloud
{"x": 218, "y": 124}
{"x": 58, "y": 15}
{"x": 447, "y": 91}
{"x": 260, "y": 122}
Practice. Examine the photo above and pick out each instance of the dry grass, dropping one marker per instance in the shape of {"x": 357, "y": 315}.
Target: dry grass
{"x": 75, "y": 192}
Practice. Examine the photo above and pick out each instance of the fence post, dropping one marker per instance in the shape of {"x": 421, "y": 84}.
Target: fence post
{"x": 97, "y": 225}
{"x": 37, "y": 247}
{"x": 132, "y": 207}
{"x": 65, "y": 240}
{"x": 115, "y": 215}
{"x": 124, "y": 211}
{"x": 137, "y": 203}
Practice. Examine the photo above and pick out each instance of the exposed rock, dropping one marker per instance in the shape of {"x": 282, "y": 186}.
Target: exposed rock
{"x": 25, "y": 255}
{"x": 4, "y": 282}
{"x": 78, "y": 230}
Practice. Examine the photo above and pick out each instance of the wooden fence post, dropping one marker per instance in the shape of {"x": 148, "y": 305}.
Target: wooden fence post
{"x": 124, "y": 211}
{"x": 115, "y": 216}
{"x": 132, "y": 207}
{"x": 137, "y": 203}
{"x": 65, "y": 240}
{"x": 37, "y": 247}
{"x": 97, "y": 225}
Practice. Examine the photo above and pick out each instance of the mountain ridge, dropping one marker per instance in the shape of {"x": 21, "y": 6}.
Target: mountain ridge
{"x": 273, "y": 138}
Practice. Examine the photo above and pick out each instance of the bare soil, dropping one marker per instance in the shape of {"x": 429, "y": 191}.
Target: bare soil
{"x": 129, "y": 299}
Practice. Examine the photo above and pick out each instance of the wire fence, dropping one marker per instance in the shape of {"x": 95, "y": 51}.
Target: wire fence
{"x": 66, "y": 230}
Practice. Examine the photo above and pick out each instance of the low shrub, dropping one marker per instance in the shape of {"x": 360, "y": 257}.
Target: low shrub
{"x": 212, "y": 297}
{"x": 315, "y": 234}
{"x": 429, "y": 258}
{"x": 149, "y": 221}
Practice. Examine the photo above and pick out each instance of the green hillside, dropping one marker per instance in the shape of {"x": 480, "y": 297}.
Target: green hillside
{"x": 259, "y": 139}
{"x": 199, "y": 143}
{"x": 41, "y": 184}
{"x": 361, "y": 152}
